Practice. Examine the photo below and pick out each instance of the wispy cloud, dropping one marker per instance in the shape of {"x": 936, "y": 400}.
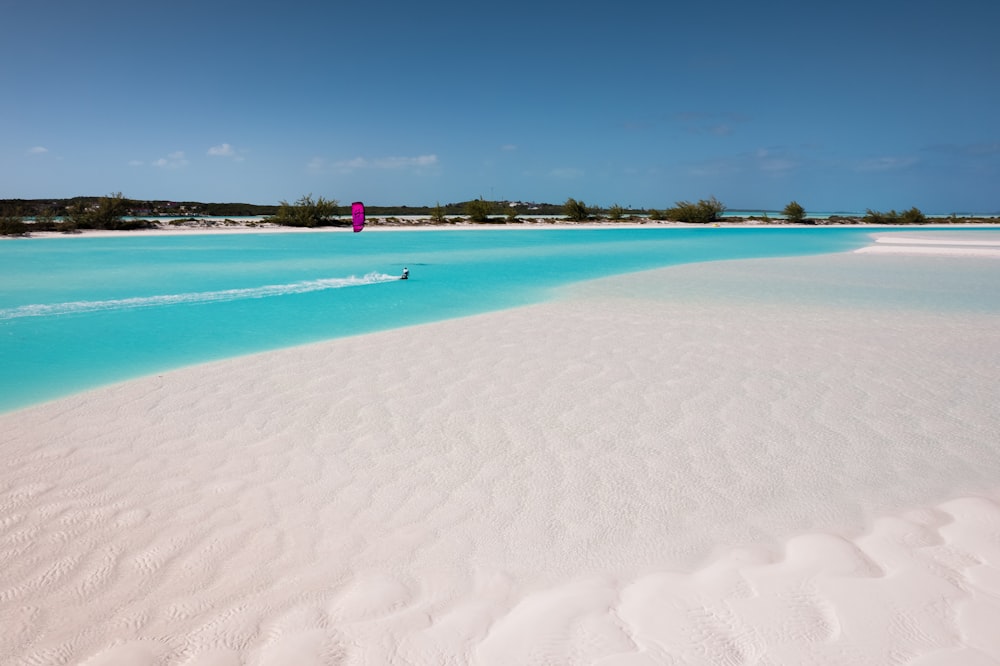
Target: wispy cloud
{"x": 980, "y": 149}
{"x": 508, "y": 147}
{"x": 222, "y": 150}
{"x": 719, "y": 167}
{"x": 359, "y": 163}
{"x": 885, "y": 163}
{"x": 773, "y": 161}
{"x": 174, "y": 160}
{"x": 715, "y": 124}
{"x": 38, "y": 150}
{"x": 227, "y": 150}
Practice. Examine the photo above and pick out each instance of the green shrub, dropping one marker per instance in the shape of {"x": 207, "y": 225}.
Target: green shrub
{"x": 12, "y": 225}
{"x": 913, "y": 216}
{"x": 616, "y": 213}
{"x": 308, "y": 213}
{"x": 794, "y": 212}
{"x": 478, "y": 210}
{"x": 107, "y": 213}
{"x": 706, "y": 210}
{"x": 575, "y": 210}
{"x": 437, "y": 215}
{"x": 877, "y": 217}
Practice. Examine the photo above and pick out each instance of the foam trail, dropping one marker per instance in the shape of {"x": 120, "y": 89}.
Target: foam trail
{"x": 76, "y": 307}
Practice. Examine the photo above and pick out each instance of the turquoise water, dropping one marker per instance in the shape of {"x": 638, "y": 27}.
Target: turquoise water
{"x": 76, "y": 313}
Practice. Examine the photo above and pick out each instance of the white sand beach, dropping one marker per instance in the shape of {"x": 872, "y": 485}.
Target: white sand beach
{"x": 774, "y": 461}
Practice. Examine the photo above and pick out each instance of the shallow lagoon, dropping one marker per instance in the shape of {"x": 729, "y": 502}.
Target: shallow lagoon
{"x": 76, "y": 313}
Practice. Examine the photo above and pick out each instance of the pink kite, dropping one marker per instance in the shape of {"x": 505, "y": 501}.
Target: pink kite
{"x": 358, "y": 215}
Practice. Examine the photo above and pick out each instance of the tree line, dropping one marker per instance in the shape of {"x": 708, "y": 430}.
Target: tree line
{"x": 116, "y": 212}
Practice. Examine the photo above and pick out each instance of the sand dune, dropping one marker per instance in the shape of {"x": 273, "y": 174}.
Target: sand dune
{"x": 767, "y": 461}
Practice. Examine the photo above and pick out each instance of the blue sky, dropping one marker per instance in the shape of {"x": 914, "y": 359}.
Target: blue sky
{"x": 850, "y": 105}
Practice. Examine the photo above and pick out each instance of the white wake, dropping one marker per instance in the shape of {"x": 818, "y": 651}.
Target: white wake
{"x": 266, "y": 291}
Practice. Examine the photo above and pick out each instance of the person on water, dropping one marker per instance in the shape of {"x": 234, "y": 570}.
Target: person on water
{"x": 406, "y": 274}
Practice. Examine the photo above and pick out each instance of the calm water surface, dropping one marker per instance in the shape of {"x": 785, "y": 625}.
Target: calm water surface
{"x": 76, "y": 313}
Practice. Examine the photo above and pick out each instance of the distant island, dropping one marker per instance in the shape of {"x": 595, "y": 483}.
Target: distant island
{"x": 167, "y": 209}
{"x": 19, "y": 217}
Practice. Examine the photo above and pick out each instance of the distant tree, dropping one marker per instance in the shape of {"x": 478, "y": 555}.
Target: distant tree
{"x": 478, "y": 210}
{"x": 913, "y": 216}
{"x": 437, "y": 214}
{"x": 706, "y": 210}
{"x": 657, "y": 215}
{"x": 877, "y": 217}
{"x": 511, "y": 214}
{"x": 45, "y": 218}
{"x": 307, "y": 213}
{"x": 575, "y": 210}
{"x": 616, "y": 212}
{"x": 794, "y": 212}
{"x": 12, "y": 223}
{"x": 106, "y": 213}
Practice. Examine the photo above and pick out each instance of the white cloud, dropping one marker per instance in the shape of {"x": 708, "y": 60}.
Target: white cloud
{"x": 419, "y": 162}
{"x": 38, "y": 150}
{"x": 174, "y": 160}
{"x": 768, "y": 160}
{"x": 351, "y": 165}
{"x": 222, "y": 150}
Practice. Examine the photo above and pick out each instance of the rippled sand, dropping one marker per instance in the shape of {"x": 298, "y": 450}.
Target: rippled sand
{"x": 767, "y": 461}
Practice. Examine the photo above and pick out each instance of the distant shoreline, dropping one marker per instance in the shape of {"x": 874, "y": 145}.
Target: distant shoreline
{"x": 203, "y": 225}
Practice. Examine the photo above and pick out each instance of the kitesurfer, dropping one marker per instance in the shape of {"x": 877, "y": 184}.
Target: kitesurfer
{"x": 406, "y": 274}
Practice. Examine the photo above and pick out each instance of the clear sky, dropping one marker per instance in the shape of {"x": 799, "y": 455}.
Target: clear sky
{"x": 846, "y": 105}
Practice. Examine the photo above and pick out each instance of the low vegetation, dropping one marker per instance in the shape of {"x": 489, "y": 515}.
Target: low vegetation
{"x": 21, "y": 217}
{"x": 912, "y": 216}
{"x": 13, "y": 225}
{"x": 478, "y": 210}
{"x": 794, "y": 212}
{"x": 437, "y": 214}
{"x": 575, "y": 210}
{"x": 308, "y": 213}
{"x": 107, "y": 213}
{"x": 703, "y": 212}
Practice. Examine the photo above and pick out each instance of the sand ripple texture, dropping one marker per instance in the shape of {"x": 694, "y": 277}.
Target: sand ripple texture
{"x": 717, "y": 464}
